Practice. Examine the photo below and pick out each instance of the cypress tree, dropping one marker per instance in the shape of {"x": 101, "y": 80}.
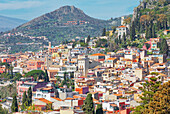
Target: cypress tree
{"x": 132, "y": 32}
{"x": 14, "y": 107}
{"x": 99, "y": 109}
{"x": 88, "y": 107}
{"x": 46, "y": 76}
{"x": 158, "y": 25}
{"x": 104, "y": 32}
{"x": 164, "y": 46}
{"x": 11, "y": 68}
{"x": 88, "y": 38}
{"x": 124, "y": 38}
{"x": 24, "y": 101}
{"x": 153, "y": 31}
{"x": 149, "y": 31}
{"x": 29, "y": 93}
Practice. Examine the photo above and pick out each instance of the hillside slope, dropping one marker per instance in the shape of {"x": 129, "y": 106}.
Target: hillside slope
{"x": 66, "y": 22}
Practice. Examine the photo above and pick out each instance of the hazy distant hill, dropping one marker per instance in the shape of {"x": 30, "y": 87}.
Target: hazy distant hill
{"x": 8, "y": 23}
{"x": 66, "y": 22}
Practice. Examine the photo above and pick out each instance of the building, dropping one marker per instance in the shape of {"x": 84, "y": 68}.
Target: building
{"x": 83, "y": 66}
{"x": 121, "y": 30}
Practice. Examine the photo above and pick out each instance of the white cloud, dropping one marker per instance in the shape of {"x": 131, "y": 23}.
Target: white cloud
{"x": 19, "y": 5}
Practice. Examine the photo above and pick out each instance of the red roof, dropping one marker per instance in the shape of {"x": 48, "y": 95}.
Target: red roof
{"x": 122, "y": 27}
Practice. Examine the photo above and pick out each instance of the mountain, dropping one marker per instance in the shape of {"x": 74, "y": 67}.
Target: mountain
{"x": 8, "y": 23}
{"x": 66, "y": 22}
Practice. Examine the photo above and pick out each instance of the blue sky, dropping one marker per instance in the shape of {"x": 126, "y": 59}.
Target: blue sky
{"x": 101, "y": 9}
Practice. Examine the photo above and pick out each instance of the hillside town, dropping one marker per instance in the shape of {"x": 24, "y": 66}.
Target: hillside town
{"x": 123, "y": 70}
{"x": 61, "y": 77}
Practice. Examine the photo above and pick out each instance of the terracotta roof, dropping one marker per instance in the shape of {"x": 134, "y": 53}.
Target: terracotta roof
{"x": 111, "y": 58}
{"x": 122, "y": 27}
{"x": 117, "y": 94}
{"x": 45, "y": 100}
{"x": 98, "y": 54}
{"x": 56, "y": 99}
{"x": 75, "y": 96}
{"x": 69, "y": 98}
{"x": 47, "y": 88}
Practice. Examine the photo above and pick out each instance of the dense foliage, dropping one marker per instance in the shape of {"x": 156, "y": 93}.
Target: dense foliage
{"x": 8, "y": 91}
{"x": 14, "y": 107}
{"x": 99, "y": 109}
{"x": 38, "y": 74}
{"x": 160, "y": 103}
{"x": 148, "y": 91}
{"x": 3, "y": 111}
{"x": 88, "y": 106}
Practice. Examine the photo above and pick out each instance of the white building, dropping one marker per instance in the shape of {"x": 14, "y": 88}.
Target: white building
{"x": 121, "y": 30}
{"x": 83, "y": 66}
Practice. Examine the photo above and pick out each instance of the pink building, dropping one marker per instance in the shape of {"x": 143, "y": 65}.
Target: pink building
{"x": 24, "y": 85}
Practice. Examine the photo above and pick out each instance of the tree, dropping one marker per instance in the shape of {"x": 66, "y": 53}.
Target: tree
{"x": 162, "y": 2}
{"x": 88, "y": 38}
{"x": 148, "y": 90}
{"x": 29, "y": 98}
{"x": 124, "y": 38}
{"x": 17, "y": 76}
{"x": 153, "y": 31}
{"x": 127, "y": 21}
{"x": 104, "y": 32}
{"x": 88, "y": 107}
{"x": 10, "y": 86}
{"x": 24, "y": 101}
{"x": 11, "y": 68}
{"x": 132, "y": 32}
{"x": 14, "y": 106}
{"x": 149, "y": 31}
{"x": 46, "y": 76}
{"x": 160, "y": 103}
{"x": 147, "y": 45}
{"x": 37, "y": 74}
{"x": 99, "y": 109}
{"x": 164, "y": 46}
{"x": 3, "y": 111}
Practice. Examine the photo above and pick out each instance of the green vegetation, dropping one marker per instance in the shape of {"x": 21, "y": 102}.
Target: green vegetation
{"x": 160, "y": 103}
{"x": 163, "y": 46}
{"x": 132, "y": 32}
{"x": 149, "y": 89}
{"x": 3, "y": 111}
{"x": 55, "y": 30}
{"x": 99, "y": 109}
{"x": 29, "y": 98}
{"x": 37, "y": 74}
{"x": 24, "y": 101}
{"x": 88, "y": 106}
{"x": 14, "y": 106}
{"x": 8, "y": 91}
{"x": 104, "y": 32}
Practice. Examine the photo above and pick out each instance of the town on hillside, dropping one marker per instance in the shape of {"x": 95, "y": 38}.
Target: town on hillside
{"x": 124, "y": 70}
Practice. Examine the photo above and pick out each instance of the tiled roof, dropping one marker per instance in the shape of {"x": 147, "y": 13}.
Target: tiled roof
{"x": 69, "y": 98}
{"x": 45, "y": 100}
{"x": 122, "y": 27}
{"x": 98, "y": 54}
{"x": 111, "y": 58}
{"x": 56, "y": 99}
